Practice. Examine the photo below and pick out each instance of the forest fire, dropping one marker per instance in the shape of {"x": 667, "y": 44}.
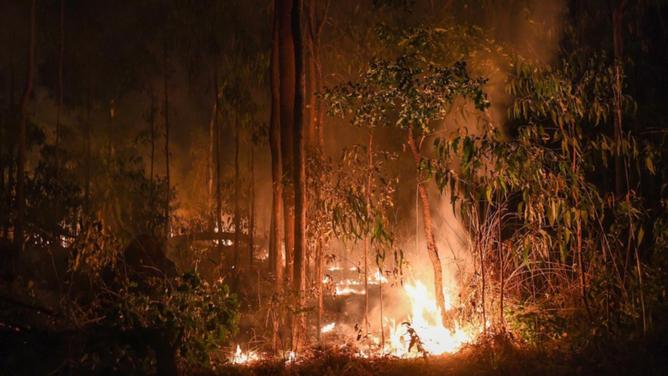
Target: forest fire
{"x": 308, "y": 187}
{"x": 423, "y": 332}
{"x": 244, "y": 357}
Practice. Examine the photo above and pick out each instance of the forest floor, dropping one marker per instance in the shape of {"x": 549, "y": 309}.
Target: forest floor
{"x": 648, "y": 358}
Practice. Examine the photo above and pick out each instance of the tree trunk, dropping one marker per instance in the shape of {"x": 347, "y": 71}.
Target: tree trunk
{"x": 299, "y": 175}
{"x": 166, "y": 114}
{"x": 218, "y": 135}
{"x": 275, "y": 250}
{"x": 211, "y": 161}
{"x": 251, "y": 208}
{"x": 502, "y": 321}
{"x": 87, "y": 152}
{"x": 22, "y": 147}
{"x": 10, "y": 154}
{"x": 287, "y": 103}
{"x": 237, "y": 191}
{"x": 152, "y": 162}
{"x": 366, "y": 236}
{"x": 432, "y": 249}
{"x": 60, "y": 82}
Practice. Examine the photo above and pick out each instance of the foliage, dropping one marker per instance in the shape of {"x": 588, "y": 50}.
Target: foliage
{"x": 195, "y": 316}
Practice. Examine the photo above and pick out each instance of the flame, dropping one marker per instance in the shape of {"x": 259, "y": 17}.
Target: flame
{"x": 328, "y": 328}
{"x": 290, "y": 357}
{"x": 240, "y": 357}
{"x": 424, "y": 323}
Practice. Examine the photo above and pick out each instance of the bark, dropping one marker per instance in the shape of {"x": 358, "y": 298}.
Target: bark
{"x": 432, "y": 249}
{"x": 275, "y": 251}
{"x": 152, "y": 163}
{"x": 212, "y": 154}
{"x": 502, "y": 321}
{"x": 218, "y": 134}
{"x": 316, "y": 25}
{"x": 276, "y": 167}
{"x": 60, "y": 82}
{"x": 319, "y": 290}
{"x": 299, "y": 175}
{"x": 22, "y": 147}
{"x": 251, "y": 209}
{"x": 166, "y": 114}
{"x": 287, "y": 102}
{"x": 10, "y": 155}
{"x": 366, "y": 237}
{"x": 237, "y": 191}
{"x": 87, "y": 152}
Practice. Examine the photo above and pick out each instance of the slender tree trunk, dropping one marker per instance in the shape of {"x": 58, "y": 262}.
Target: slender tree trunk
{"x": 502, "y": 321}
{"x": 60, "y": 82}
{"x": 22, "y": 147}
{"x": 166, "y": 114}
{"x": 152, "y": 162}
{"x": 366, "y": 236}
{"x": 11, "y": 118}
{"x": 287, "y": 112}
{"x": 318, "y": 280}
{"x": 212, "y": 153}
{"x": 237, "y": 192}
{"x": 299, "y": 174}
{"x": 218, "y": 136}
{"x": 251, "y": 208}
{"x": 432, "y": 249}
{"x": 87, "y": 152}
{"x": 276, "y": 251}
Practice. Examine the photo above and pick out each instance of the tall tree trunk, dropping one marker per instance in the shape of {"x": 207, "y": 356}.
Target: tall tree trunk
{"x": 60, "y": 82}
{"x": 502, "y": 321}
{"x": 251, "y": 208}
{"x": 218, "y": 136}
{"x": 315, "y": 27}
{"x": 299, "y": 174}
{"x": 237, "y": 192}
{"x": 276, "y": 249}
{"x": 287, "y": 103}
{"x": 22, "y": 147}
{"x": 166, "y": 114}
{"x": 87, "y": 152}
{"x": 152, "y": 162}
{"x": 212, "y": 153}
{"x": 366, "y": 235}
{"x": 10, "y": 153}
{"x": 432, "y": 249}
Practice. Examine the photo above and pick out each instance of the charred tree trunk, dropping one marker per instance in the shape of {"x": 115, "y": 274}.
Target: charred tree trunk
{"x": 299, "y": 175}
{"x": 22, "y": 142}
{"x": 276, "y": 237}
{"x": 432, "y": 249}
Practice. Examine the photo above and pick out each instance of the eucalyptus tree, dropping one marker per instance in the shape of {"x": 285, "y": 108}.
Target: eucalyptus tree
{"x": 411, "y": 92}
